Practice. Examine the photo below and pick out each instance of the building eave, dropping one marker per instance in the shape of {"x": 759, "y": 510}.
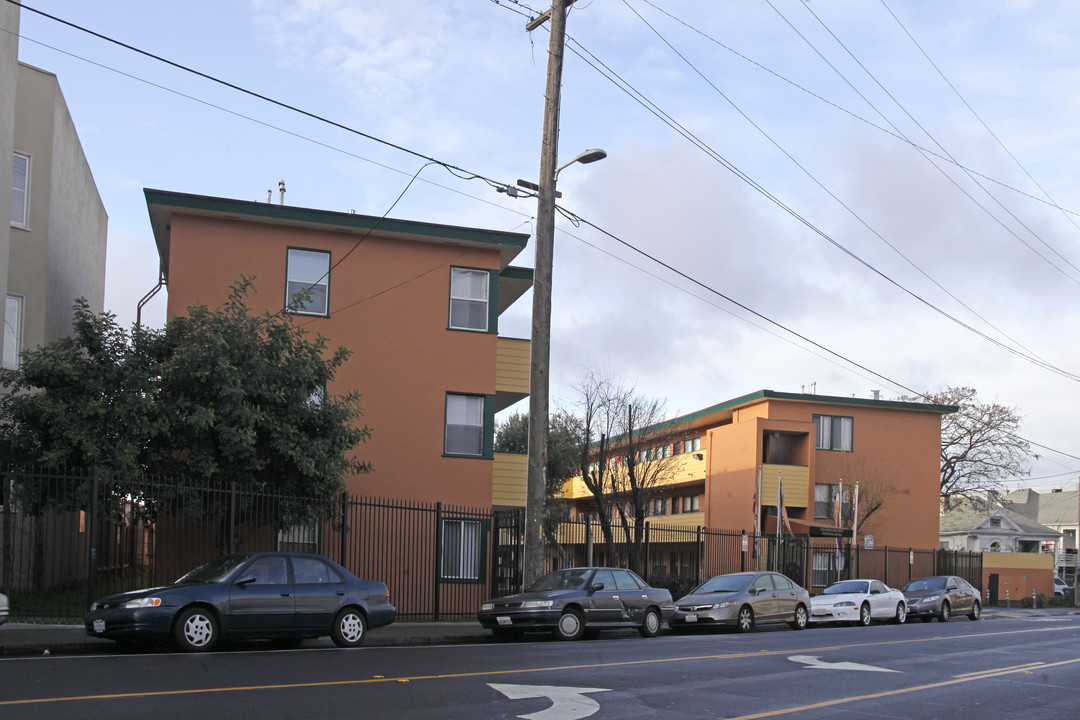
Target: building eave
{"x": 162, "y": 205}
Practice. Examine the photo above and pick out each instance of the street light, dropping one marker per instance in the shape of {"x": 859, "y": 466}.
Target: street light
{"x": 540, "y": 359}
{"x": 589, "y": 156}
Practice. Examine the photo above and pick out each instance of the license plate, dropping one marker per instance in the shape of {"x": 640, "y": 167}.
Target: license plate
{"x": 691, "y": 617}
{"x": 99, "y": 626}
{"x": 503, "y": 620}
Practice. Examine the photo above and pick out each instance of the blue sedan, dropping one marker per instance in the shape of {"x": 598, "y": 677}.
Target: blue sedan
{"x": 282, "y": 596}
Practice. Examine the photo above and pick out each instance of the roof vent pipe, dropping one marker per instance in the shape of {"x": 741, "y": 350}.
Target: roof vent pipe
{"x": 281, "y": 189}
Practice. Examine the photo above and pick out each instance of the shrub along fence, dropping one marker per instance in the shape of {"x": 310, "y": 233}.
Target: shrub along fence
{"x": 69, "y": 537}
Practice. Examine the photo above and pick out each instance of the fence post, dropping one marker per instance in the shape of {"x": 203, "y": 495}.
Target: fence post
{"x": 589, "y": 542}
{"x": 232, "y": 517}
{"x": 648, "y": 552}
{"x": 344, "y": 527}
{"x": 438, "y": 560}
{"x": 92, "y": 520}
{"x": 8, "y": 556}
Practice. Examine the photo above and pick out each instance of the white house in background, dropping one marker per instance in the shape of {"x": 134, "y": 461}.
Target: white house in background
{"x": 53, "y": 232}
{"x": 1058, "y": 510}
{"x": 966, "y": 527}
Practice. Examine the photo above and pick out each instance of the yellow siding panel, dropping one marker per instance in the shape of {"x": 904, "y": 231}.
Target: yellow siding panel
{"x": 512, "y": 365}
{"x": 796, "y": 480}
{"x": 508, "y": 479}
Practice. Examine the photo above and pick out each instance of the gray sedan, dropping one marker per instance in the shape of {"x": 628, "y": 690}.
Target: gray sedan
{"x": 942, "y": 596}
{"x": 743, "y": 601}
{"x": 577, "y": 601}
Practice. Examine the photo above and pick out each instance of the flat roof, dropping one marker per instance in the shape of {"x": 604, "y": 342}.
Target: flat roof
{"x": 726, "y": 410}
{"x": 162, "y": 204}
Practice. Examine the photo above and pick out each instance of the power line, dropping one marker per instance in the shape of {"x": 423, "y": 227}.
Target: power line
{"x": 821, "y": 185}
{"x": 855, "y": 116}
{"x": 929, "y": 135}
{"x": 466, "y": 175}
{"x": 640, "y": 98}
{"x": 1052, "y": 202}
{"x": 453, "y": 169}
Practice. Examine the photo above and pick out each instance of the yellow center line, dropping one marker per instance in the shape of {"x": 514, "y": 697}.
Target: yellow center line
{"x": 1025, "y": 666}
{"x": 887, "y": 693}
{"x": 522, "y": 671}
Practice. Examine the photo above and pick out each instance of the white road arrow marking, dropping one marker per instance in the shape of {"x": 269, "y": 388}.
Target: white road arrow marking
{"x": 813, "y": 661}
{"x": 568, "y": 703}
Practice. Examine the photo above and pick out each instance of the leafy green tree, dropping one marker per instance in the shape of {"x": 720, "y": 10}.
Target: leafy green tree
{"x": 219, "y": 394}
{"x": 564, "y": 445}
{"x": 84, "y": 400}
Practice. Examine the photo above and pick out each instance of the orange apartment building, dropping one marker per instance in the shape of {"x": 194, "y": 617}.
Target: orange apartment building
{"x": 812, "y": 444}
{"x": 417, "y": 303}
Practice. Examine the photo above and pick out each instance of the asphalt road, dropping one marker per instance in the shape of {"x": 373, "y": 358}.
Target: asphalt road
{"x": 1005, "y": 668}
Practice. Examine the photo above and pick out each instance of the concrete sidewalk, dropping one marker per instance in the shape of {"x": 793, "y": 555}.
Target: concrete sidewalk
{"x": 22, "y": 639}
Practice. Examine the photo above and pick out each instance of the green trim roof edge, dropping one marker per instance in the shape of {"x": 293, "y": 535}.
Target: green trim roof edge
{"x": 516, "y": 272}
{"x": 798, "y": 397}
{"x": 289, "y": 213}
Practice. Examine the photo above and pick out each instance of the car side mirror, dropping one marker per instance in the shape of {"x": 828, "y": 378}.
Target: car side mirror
{"x": 875, "y": 592}
{"x": 952, "y": 587}
{"x": 246, "y": 580}
{"x": 596, "y": 586}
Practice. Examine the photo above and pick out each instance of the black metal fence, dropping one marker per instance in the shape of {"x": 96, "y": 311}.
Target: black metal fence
{"x": 69, "y": 537}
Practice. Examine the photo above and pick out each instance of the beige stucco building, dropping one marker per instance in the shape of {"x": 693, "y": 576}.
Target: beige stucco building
{"x": 53, "y": 232}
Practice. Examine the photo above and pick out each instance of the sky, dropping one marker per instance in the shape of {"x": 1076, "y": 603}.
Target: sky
{"x": 837, "y": 196}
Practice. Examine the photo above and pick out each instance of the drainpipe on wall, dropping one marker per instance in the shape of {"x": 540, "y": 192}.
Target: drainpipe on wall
{"x": 148, "y": 296}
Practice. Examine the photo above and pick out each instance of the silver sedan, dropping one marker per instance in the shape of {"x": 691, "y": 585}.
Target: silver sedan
{"x": 743, "y": 601}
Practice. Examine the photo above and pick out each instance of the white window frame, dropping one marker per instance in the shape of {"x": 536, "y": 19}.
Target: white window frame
{"x": 319, "y": 304}
{"x": 463, "y": 302}
{"x": 24, "y": 192}
{"x": 835, "y": 432}
{"x": 13, "y": 331}
{"x": 464, "y": 413}
{"x": 461, "y": 549}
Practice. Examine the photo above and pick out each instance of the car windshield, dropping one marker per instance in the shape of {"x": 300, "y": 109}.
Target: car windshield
{"x": 850, "y": 586}
{"x": 562, "y": 580}
{"x": 723, "y": 583}
{"x": 925, "y": 584}
{"x": 215, "y": 570}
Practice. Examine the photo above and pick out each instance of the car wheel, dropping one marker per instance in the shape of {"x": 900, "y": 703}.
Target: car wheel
{"x": 976, "y": 611}
{"x": 864, "y": 614}
{"x": 650, "y": 626}
{"x": 196, "y": 630}
{"x": 571, "y": 625}
{"x": 901, "y": 614}
{"x": 745, "y": 621}
{"x": 801, "y": 620}
{"x": 946, "y": 612}
{"x": 350, "y": 628}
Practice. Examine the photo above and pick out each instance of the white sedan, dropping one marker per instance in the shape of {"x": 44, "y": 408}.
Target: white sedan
{"x": 859, "y": 602}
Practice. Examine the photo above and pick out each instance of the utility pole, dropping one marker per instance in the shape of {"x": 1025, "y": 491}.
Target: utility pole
{"x": 540, "y": 357}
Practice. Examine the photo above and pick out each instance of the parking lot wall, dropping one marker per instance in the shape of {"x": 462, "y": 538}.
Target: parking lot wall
{"x": 1017, "y": 575}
